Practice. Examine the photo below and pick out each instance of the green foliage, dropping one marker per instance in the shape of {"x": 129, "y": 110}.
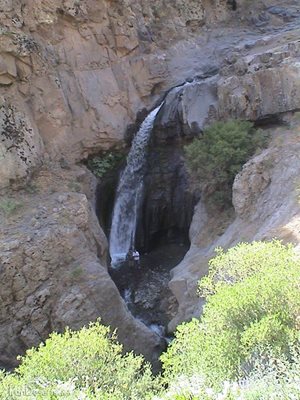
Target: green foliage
{"x": 253, "y": 305}
{"x": 246, "y": 345}
{"x": 243, "y": 261}
{"x": 274, "y": 377}
{"x": 216, "y": 157}
{"x": 87, "y": 364}
{"x": 101, "y": 165}
{"x": 9, "y": 206}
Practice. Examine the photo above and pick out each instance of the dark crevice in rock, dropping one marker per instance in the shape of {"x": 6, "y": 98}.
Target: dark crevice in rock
{"x": 273, "y": 120}
{"x": 169, "y": 201}
{"x": 106, "y": 192}
{"x": 145, "y": 289}
{"x": 165, "y": 214}
{"x": 232, "y": 4}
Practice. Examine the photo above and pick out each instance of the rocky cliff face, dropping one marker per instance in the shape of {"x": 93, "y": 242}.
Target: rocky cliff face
{"x": 53, "y": 274}
{"x": 73, "y": 76}
{"x": 266, "y": 205}
{"x": 76, "y": 73}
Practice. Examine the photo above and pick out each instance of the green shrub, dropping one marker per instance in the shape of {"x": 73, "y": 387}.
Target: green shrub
{"x": 253, "y": 305}
{"x": 243, "y": 261}
{"x": 102, "y": 164}
{"x": 86, "y": 363}
{"x": 215, "y": 158}
{"x": 271, "y": 379}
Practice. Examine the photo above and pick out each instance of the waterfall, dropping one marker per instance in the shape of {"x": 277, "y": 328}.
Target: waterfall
{"x": 129, "y": 193}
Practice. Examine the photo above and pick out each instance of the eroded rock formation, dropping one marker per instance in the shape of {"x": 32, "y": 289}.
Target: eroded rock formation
{"x": 82, "y": 70}
{"x": 53, "y": 275}
{"x": 73, "y": 76}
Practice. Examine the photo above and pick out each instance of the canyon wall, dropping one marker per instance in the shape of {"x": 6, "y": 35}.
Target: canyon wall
{"x": 73, "y": 76}
{"x": 266, "y": 205}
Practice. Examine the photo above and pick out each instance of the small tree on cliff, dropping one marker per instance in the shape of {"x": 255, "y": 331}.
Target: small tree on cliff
{"x": 219, "y": 154}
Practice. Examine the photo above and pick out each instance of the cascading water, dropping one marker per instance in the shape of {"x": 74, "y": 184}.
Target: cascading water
{"x": 129, "y": 193}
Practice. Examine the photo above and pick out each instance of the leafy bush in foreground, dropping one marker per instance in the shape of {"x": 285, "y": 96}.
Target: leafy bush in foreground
{"x": 253, "y": 306}
{"x": 78, "y": 365}
{"x": 216, "y": 157}
{"x": 245, "y": 347}
{"x": 274, "y": 378}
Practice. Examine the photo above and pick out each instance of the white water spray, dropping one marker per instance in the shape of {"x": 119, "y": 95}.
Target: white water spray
{"x": 129, "y": 193}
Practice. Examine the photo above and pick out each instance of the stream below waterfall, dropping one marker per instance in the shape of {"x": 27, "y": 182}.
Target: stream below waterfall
{"x": 145, "y": 289}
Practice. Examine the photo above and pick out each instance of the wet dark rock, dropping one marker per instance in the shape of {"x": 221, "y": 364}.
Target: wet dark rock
{"x": 145, "y": 289}
{"x": 232, "y": 4}
{"x": 64, "y": 163}
{"x": 169, "y": 199}
{"x": 106, "y": 192}
{"x": 261, "y": 20}
{"x": 132, "y": 129}
{"x": 208, "y": 71}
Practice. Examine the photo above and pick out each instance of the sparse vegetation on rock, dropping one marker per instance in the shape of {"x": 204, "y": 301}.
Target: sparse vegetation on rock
{"x": 8, "y": 206}
{"x": 102, "y": 164}
{"x": 218, "y": 155}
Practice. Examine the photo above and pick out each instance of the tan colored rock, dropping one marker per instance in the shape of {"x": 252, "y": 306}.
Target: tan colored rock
{"x": 75, "y": 75}
{"x": 268, "y": 84}
{"x": 6, "y": 5}
{"x": 91, "y": 67}
{"x": 8, "y": 69}
{"x": 51, "y": 277}
{"x": 24, "y": 69}
{"x": 251, "y": 182}
{"x": 75, "y": 8}
{"x": 6, "y": 80}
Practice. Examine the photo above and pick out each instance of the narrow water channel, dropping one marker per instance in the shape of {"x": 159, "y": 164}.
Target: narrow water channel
{"x": 145, "y": 289}
{"x": 153, "y": 207}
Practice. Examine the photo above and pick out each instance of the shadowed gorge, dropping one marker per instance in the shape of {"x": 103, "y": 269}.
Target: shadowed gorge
{"x": 153, "y": 208}
{"x": 170, "y": 128}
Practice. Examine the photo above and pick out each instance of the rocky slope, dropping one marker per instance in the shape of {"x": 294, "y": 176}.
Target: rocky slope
{"x": 73, "y": 77}
{"x": 266, "y": 205}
